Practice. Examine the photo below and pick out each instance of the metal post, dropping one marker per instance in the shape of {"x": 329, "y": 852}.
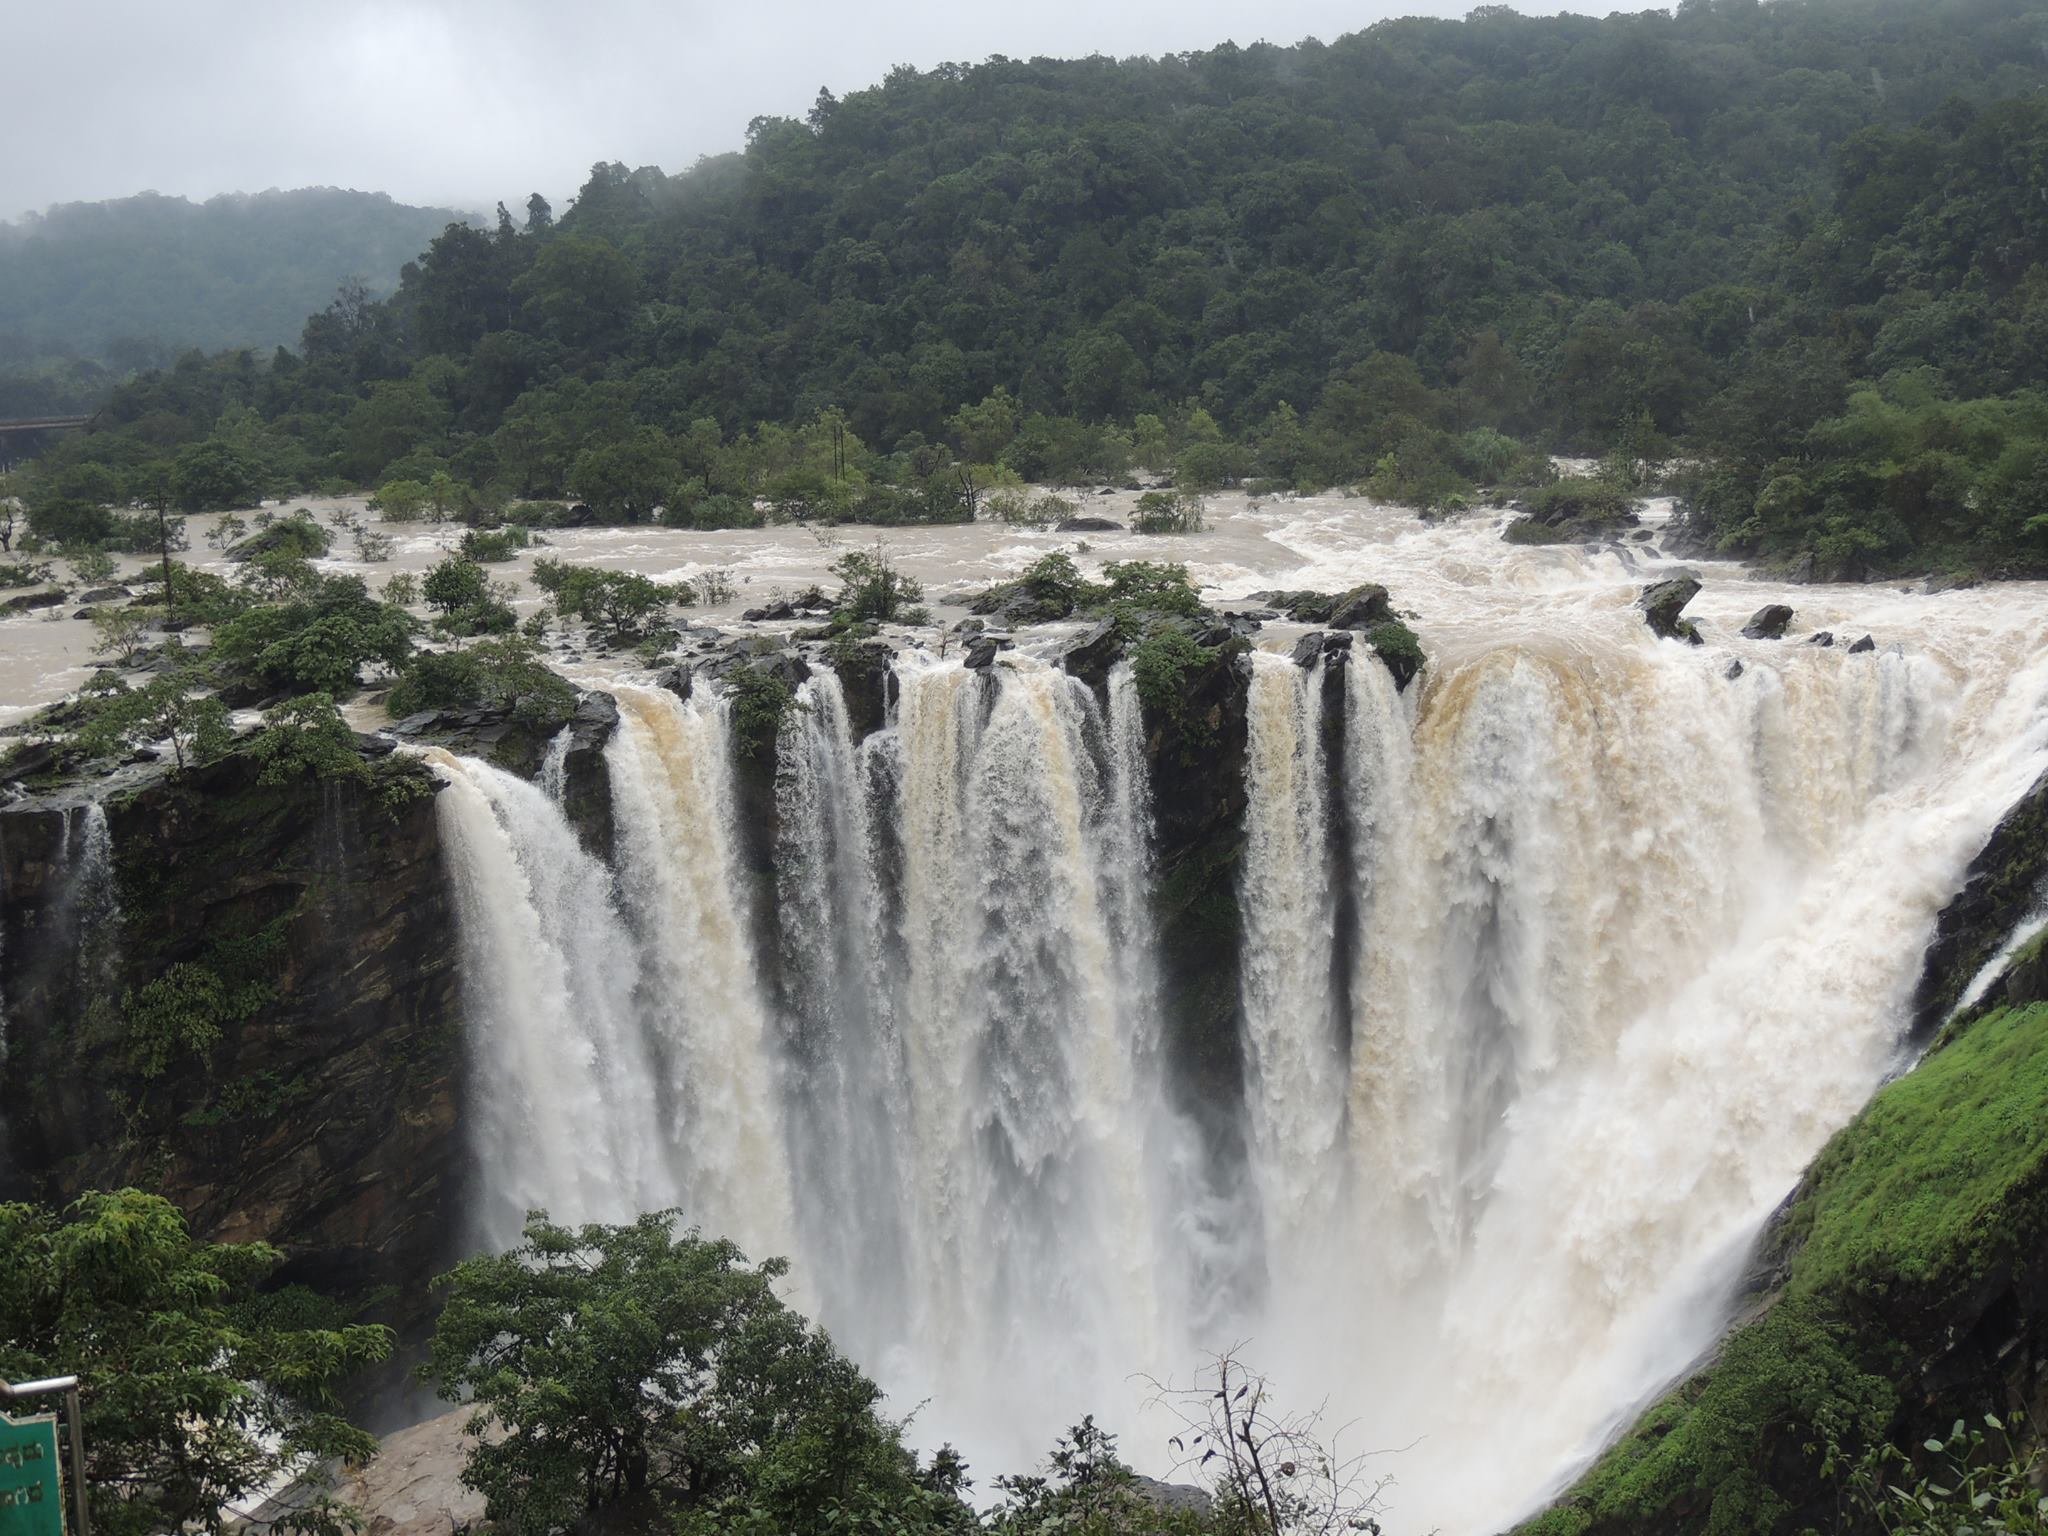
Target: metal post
{"x": 71, "y": 1414}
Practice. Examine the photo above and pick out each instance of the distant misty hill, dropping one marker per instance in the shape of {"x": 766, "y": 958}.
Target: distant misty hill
{"x": 131, "y": 280}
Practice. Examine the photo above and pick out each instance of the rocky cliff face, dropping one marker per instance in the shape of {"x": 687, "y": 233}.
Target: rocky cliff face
{"x": 249, "y": 1004}
{"x": 2006, "y": 881}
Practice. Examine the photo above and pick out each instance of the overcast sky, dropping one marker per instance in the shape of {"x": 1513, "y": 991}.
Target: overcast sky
{"x": 466, "y": 102}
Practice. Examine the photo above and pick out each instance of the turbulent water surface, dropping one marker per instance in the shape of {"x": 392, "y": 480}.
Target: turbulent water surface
{"x": 1552, "y": 982}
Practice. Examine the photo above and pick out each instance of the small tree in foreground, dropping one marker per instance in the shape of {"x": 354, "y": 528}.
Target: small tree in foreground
{"x": 1271, "y": 1472}
{"x": 650, "y": 1377}
{"x": 196, "y": 1391}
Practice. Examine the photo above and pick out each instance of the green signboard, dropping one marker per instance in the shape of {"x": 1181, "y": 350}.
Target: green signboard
{"x": 31, "y": 1494}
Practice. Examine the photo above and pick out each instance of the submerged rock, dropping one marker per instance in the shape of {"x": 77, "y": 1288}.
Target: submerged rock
{"x": 1663, "y": 602}
{"x": 29, "y": 601}
{"x": 1769, "y": 622}
{"x": 1089, "y": 525}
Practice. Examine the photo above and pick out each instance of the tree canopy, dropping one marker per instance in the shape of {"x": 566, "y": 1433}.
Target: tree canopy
{"x": 196, "y": 1389}
{"x": 1798, "y": 241}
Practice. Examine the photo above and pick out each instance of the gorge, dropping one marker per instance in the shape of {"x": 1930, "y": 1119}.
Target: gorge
{"x": 1444, "y": 1046}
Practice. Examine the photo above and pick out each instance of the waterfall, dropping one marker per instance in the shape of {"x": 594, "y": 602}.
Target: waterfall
{"x": 1556, "y": 970}
{"x": 564, "y": 1115}
{"x": 1028, "y": 1055}
{"x": 1293, "y": 1055}
{"x": 670, "y": 764}
{"x": 849, "y": 1114}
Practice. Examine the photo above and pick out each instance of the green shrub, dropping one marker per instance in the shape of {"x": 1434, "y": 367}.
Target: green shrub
{"x": 489, "y": 547}
{"x": 503, "y": 674}
{"x": 1177, "y": 511}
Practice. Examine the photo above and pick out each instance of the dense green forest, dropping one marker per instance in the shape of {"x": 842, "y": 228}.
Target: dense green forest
{"x": 1793, "y": 248}
{"x": 92, "y": 291}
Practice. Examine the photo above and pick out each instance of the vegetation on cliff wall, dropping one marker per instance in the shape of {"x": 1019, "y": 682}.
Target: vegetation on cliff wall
{"x": 1912, "y": 1293}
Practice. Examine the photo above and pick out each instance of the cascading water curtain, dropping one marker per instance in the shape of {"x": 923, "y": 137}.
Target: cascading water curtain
{"x": 1557, "y": 969}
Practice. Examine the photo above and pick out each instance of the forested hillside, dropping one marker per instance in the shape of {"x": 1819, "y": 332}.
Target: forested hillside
{"x": 1798, "y": 243}
{"x": 131, "y": 282}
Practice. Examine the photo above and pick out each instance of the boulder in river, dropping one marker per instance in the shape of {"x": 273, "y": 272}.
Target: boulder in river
{"x": 1090, "y": 525}
{"x": 1664, "y": 602}
{"x": 1863, "y": 645}
{"x": 1769, "y": 622}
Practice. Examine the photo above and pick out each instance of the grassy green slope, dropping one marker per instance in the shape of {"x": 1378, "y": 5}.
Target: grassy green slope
{"x": 1914, "y": 1291}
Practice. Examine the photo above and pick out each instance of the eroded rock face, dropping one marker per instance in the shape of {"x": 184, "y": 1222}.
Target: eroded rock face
{"x": 323, "y": 1119}
{"x": 1664, "y": 602}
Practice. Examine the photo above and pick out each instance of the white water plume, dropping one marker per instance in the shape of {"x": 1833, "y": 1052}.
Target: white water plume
{"x": 671, "y": 777}
{"x": 564, "y": 1114}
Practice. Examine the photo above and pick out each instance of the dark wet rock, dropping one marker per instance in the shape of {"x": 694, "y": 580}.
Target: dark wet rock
{"x": 1090, "y": 654}
{"x": 1642, "y": 535}
{"x": 1863, "y": 645}
{"x": 866, "y": 682}
{"x": 2002, "y": 888}
{"x": 28, "y": 602}
{"x": 1014, "y": 603}
{"x": 970, "y": 626}
{"x": 1246, "y": 624}
{"x": 1769, "y": 622}
{"x": 1803, "y": 570}
{"x": 31, "y": 760}
{"x": 1359, "y": 608}
{"x": 1090, "y": 525}
{"x": 1733, "y": 670}
{"x": 104, "y": 594}
{"x": 981, "y": 650}
{"x": 1308, "y": 650}
{"x": 350, "y": 1160}
{"x": 1943, "y": 581}
{"x": 780, "y": 608}
{"x": 1822, "y": 638}
{"x": 1663, "y": 604}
